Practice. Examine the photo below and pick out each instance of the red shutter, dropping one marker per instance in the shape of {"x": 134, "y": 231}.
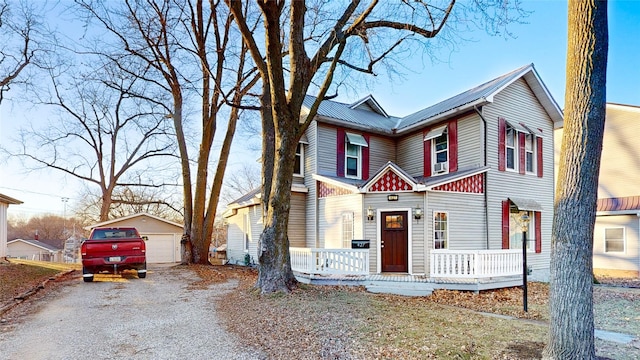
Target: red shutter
{"x": 427, "y": 155}
{"x": 538, "y": 223}
{"x": 539, "y": 150}
{"x": 502, "y": 130}
{"x": 365, "y": 158}
{"x": 521, "y": 150}
{"x": 340, "y": 152}
{"x": 452, "y": 129}
{"x": 505, "y": 224}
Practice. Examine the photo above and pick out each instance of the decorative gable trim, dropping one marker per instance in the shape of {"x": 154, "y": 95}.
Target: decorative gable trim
{"x": 472, "y": 184}
{"x": 390, "y": 181}
{"x": 329, "y": 190}
{"x": 390, "y": 178}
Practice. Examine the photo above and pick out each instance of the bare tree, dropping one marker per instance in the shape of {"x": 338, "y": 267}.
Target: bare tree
{"x": 194, "y": 53}
{"x": 127, "y": 200}
{"x": 19, "y": 36}
{"x": 309, "y": 44}
{"x": 240, "y": 182}
{"x": 102, "y": 133}
{"x": 50, "y": 229}
{"x": 571, "y": 330}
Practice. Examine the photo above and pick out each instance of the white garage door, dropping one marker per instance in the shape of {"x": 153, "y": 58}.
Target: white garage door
{"x": 160, "y": 248}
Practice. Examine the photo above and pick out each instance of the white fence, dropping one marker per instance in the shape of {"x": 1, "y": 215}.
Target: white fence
{"x": 472, "y": 264}
{"x": 330, "y": 261}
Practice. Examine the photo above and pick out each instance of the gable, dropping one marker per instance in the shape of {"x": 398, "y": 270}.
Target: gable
{"x": 144, "y": 223}
{"x": 472, "y": 184}
{"x": 390, "y": 181}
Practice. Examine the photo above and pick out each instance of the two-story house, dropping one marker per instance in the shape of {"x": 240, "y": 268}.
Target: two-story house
{"x": 440, "y": 191}
{"x": 616, "y": 237}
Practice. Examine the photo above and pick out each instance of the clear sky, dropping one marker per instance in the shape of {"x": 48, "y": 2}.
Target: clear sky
{"x": 542, "y": 41}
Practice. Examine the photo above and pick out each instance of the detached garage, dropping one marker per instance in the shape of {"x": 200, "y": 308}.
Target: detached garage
{"x": 163, "y": 236}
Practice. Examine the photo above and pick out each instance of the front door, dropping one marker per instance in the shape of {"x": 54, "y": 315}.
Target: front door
{"x": 395, "y": 241}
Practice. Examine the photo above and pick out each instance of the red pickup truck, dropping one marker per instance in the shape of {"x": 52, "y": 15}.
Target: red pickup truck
{"x": 113, "y": 250}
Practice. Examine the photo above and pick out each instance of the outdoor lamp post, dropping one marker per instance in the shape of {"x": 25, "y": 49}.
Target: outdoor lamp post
{"x": 525, "y": 225}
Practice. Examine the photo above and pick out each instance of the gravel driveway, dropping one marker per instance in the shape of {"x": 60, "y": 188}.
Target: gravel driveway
{"x": 159, "y": 317}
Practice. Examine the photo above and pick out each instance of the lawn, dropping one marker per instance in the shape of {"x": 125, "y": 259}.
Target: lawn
{"x": 16, "y": 279}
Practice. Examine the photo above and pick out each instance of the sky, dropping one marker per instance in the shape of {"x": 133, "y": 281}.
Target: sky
{"x": 541, "y": 41}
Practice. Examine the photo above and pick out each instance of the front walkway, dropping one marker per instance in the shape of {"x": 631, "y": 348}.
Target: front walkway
{"x": 409, "y": 285}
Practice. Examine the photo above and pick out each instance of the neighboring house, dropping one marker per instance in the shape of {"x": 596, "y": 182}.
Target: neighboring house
{"x": 616, "y": 237}
{"x": 163, "y": 236}
{"x": 435, "y": 193}
{"x": 33, "y": 250}
{"x": 5, "y": 201}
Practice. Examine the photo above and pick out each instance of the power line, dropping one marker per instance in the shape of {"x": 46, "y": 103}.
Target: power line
{"x": 35, "y": 192}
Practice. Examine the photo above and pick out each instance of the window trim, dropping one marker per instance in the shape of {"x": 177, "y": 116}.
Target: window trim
{"x": 246, "y": 232}
{"x": 514, "y": 148}
{"x": 530, "y": 139}
{"x": 446, "y": 231}
{"x": 624, "y": 240}
{"x": 358, "y": 158}
{"x": 299, "y": 155}
{"x": 434, "y": 153}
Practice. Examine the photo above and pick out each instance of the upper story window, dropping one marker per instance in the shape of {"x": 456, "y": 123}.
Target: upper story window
{"x": 511, "y": 143}
{"x": 529, "y": 146}
{"x": 298, "y": 166}
{"x": 353, "y": 155}
{"x": 439, "y": 149}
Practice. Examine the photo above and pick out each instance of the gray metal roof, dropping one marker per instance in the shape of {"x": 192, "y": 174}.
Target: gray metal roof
{"x": 357, "y": 116}
{"x": 479, "y": 95}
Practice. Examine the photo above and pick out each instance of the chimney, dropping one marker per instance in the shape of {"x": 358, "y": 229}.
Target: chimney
{"x": 36, "y": 236}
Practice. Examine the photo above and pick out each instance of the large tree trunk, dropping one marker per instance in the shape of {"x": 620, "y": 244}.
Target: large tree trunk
{"x": 273, "y": 249}
{"x": 571, "y": 332}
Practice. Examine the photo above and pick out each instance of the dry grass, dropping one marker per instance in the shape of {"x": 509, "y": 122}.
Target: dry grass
{"x": 16, "y": 279}
{"x": 332, "y": 322}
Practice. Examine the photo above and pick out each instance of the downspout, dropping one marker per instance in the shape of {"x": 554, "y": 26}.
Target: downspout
{"x": 484, "y": 178}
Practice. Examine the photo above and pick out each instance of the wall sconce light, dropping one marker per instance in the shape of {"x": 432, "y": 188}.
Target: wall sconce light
{"x": 370, "y": 213}
{"x": 417, "y": 213}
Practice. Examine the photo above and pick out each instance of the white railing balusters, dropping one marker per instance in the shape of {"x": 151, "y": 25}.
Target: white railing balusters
{"x": 475, "y": 263}
{"x": 330, "y": 261}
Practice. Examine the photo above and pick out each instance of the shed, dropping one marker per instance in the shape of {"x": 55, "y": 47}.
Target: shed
{"x": 5, "y": 201}
{"x": 33, "y": 250}
{"x": 163, "y": 236}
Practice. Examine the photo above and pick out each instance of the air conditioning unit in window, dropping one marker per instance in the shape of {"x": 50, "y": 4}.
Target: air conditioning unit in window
{"x": 439, "y": 168}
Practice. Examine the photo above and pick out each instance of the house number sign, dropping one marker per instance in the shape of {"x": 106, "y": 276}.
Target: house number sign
{"x": 392, "y": 197}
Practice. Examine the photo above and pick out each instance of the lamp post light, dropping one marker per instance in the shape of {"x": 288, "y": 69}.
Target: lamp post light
{"x": 525, "y": 226}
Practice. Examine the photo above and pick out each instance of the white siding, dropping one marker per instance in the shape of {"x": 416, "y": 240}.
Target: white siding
{"x": 297, "y": 220}
{"x": 311, "y": 167}
{"x": 411, "y": 154}
{"x": 630, "y": 258}
{"x": 517, "y": 103}
{"x": 327, "y": 142}
{"x": 381, "y": 151}
{"x": 330, "y": 210}
{"x": 470, "y": 141}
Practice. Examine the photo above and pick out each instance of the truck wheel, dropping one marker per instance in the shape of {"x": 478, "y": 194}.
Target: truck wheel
{"x": 142, "y": 273}
{"x": 86, "y": 275}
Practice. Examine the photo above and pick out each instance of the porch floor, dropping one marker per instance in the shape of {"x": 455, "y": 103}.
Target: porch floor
{"x": 409, "y": 285}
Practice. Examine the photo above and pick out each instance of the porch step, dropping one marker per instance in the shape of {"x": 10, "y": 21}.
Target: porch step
{"x": 399, "y": 287}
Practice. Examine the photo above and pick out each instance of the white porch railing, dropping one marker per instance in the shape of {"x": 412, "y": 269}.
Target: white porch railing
{"x": 475, "y": 263}
{"x": 330, "y": 261}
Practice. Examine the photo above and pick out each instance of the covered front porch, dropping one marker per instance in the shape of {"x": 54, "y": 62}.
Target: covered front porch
{"x": 471, "y": 270}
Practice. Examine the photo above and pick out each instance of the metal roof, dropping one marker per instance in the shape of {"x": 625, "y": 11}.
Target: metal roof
{"x": 9, "y": 200}
{"x": 465, "y": 101}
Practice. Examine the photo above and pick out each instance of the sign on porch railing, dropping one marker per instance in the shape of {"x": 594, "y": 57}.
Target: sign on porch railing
{"x": 330, "y": 261}
{"x": 475, "y": 263}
